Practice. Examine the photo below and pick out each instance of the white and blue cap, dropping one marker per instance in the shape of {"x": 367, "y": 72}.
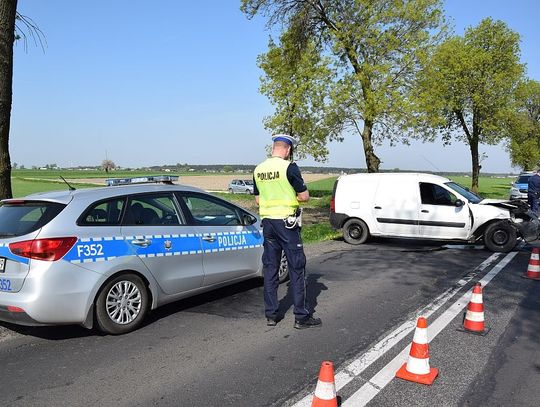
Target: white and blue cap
{"x": 285, "y": 138}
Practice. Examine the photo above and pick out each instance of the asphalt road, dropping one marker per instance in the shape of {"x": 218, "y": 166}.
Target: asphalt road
{"x": 216, "y": 350}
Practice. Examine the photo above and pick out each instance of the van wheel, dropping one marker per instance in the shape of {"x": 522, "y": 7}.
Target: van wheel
{"x": 122, "y": 304}
{"x": 355, "y": 231}
{"x": 500, "y": 237}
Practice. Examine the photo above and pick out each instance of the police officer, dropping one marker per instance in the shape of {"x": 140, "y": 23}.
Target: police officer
{"x": 533, "y": 191}
{"x": 278, "y": 187}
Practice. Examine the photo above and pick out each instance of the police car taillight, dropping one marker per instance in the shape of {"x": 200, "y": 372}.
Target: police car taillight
{"x": 43, "y": 249}
{"x": 332, "y": 205}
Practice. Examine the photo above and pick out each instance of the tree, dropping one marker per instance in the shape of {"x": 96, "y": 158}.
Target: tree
{"x": 466, "y": 92}
{"x": 296, "y": 82}
{"x": 9, "y": 32}
{"x": 8, "y": 11}
{"x": 108, "y": 165}
{"x": 524, "y": 143}
{"x": 357, "y": 60}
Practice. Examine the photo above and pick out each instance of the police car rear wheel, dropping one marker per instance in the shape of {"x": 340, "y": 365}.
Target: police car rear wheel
{"x": 122, "y": 304}
{"x": 500, "y": 237}
{"x": 283, "y": 273}
{"x": 355, "y": 231}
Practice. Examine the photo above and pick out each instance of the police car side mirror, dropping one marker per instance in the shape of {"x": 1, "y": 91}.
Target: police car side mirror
{"x": 459, "y": 203}
{"x": 248, "y": 220}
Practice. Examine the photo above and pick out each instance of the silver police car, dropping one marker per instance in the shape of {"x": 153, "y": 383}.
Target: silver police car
{"x": 106, "y": 256}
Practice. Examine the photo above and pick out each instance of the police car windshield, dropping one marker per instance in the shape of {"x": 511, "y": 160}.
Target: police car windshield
{"x": 464, "y": 192}
{"x": 20, "y": 218}
{"x": 523, "y": 179}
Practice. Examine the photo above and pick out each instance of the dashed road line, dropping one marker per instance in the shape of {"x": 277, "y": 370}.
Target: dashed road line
{"x": 345, "y": 375}
{"x": 369, "y": 390}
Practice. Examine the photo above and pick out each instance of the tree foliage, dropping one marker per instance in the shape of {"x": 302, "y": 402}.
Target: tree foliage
{"x": 297, "y": 84}
{"x": 351, "y": 65}
{"x": 466, "y": 92}
{"x": 524, "y": 143}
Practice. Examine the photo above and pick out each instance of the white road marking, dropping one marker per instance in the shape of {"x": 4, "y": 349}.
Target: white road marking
{"x": 369, "y": 390}
{"x": 344, "y": 376}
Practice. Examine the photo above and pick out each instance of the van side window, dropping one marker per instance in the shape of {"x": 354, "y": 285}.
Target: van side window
{"x": 433, "y": 194}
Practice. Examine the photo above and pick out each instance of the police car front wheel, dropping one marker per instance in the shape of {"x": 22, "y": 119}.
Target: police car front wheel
{"x": 283, "y": 273}
{"x": 121, "y": 304}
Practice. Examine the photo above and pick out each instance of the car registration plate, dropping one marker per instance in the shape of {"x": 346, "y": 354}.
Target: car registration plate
{"x": 2, "y": 264}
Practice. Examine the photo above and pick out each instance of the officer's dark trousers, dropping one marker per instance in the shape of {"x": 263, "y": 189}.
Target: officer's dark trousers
{"x": 277, "y": 238}
{"x": 533, "y": 202}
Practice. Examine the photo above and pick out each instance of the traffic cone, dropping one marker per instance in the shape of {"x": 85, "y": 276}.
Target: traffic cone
{"x": 325, "y": 392}
{"x": 533, "y": 270}
{"x": 417, "y": 367}
{"x": 473, "y": 320}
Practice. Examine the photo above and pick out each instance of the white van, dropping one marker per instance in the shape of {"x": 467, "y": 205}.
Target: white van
{"x": 426, "y": 206}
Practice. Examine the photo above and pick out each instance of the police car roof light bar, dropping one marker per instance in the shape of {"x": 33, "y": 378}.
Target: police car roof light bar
{"x": 166, "y": 179}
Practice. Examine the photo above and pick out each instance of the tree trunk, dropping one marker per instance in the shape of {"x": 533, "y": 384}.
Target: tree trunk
{"x": 473, "y": 144}
{"x": 8, "y": 12}
{"x": 372, "y": 161}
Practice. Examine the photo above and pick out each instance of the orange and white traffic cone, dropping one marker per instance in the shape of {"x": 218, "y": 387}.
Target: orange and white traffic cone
{"x": 417, "y": 367}
{"x": 325, "y": 392}
{"x": 533, "y": 270}
{"x": 473, "y": 321}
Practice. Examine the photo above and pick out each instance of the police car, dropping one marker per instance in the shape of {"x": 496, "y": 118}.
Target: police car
{"x": 106, "y": 256}
{"x": 520, "y": 187}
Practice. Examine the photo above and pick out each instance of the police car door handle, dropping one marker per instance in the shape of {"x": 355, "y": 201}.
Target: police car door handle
{"x": 377, "y": 207}
{"x": 209, "y": 238}
{"x": 141, "y": 242}
{"x": 425, "y": 211}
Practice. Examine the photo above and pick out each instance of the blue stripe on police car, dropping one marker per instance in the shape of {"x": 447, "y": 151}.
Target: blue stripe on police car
{"x": 88, "y": 250}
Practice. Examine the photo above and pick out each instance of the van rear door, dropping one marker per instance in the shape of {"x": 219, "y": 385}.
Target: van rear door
{"x": 396, "y": 205}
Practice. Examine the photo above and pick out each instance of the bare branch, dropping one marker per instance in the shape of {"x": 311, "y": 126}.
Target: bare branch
{"x": 26, "y": 28}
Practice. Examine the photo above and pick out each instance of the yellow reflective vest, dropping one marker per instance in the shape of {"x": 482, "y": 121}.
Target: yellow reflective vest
{"x": 277, "y": 197}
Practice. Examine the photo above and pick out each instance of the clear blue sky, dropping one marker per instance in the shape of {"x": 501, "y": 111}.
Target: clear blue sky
{"x": 175, "y": 81}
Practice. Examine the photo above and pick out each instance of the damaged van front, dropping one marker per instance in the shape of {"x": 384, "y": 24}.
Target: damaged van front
{"x": 504, "y": 222}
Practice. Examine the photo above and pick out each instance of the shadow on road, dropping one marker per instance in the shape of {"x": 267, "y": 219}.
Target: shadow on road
{"x": 313, "y": 288}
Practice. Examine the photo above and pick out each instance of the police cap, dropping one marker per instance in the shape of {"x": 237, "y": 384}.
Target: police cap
{"x": 285, "y": 138}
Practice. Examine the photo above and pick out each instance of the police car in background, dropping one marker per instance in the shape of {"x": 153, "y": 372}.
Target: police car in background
{"x": 108, "y": 255}
{"x": 520, "y": 186}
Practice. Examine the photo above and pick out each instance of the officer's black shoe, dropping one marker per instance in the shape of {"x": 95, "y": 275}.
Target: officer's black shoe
{"x": 308, "y": 322}
{"x": 271, "y": 322}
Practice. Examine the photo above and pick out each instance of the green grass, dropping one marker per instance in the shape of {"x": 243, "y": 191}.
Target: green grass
{"x": 77, "y": 174}
{"x": 318, "y": 233}
{"x": 489, "y": 187}
{"x": 23, "y": 187}
{"x": 326, "y": 184}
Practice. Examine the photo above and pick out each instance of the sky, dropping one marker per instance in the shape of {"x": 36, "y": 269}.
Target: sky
{"x": 175, "y": 81}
